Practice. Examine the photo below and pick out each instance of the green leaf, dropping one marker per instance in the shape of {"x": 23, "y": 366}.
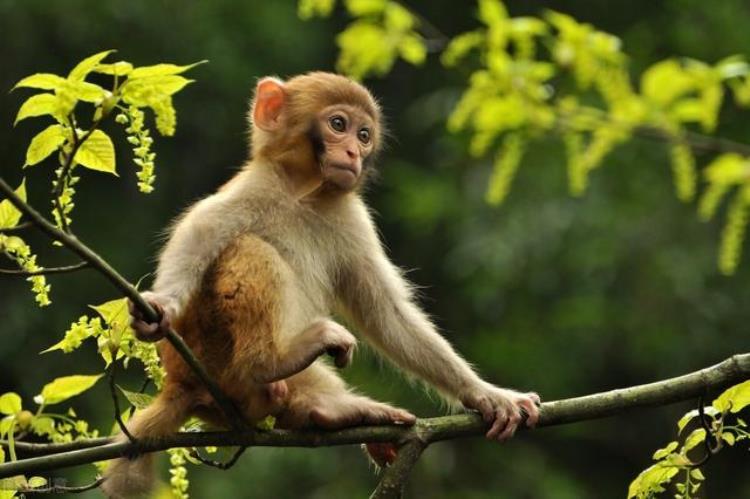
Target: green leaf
{"x": 87, "y": 65}
{"x": 97, "y": 153}
{"x": 652, "y": 480}
{"x": 412, "y": 49}
{"x": 10, "y": 403}
{"x": 66, "y": 387}
{"x": 37, "y": 105}
{"x": 697, "y": 474}
{"x": 665, "y": 81}
{"x": 36, "y": 481}
{"x": 734, "y": 399}
{"x": 115, "y": 313}
{"x": 359, "y": 8}
{"x": 161, "y": 70}
{"x": 119, "y": 68}
{"x": 492, "y": 12}
{"x": 43, "y": 81}
{"x": 665, "y": 451}
{"x": 44, "y": 143}
{"x": 684, "y": 420}
{"x": 307, "y": 9}
{"x": 145, "y": 91}
{"x": 43, "y": 425}
{"x": 137, "y": 400}
{"x": 728, "y": 437}
{"x": 695, "y": 438}
{"x": 86, "y": 91}
{"x": 9, "y": 214}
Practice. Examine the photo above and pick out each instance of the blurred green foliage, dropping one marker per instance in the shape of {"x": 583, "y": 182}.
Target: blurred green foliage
{"x": 564, "y": 296}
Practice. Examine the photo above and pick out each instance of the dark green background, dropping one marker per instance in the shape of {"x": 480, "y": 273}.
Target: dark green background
{"x": 564, "y": 296}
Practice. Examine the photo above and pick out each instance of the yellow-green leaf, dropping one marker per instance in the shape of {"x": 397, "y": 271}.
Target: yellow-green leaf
{"x": 43, "y": 81}
{"x": 10, "y": 403}
{"x": 137, "y": 400}
{"x": 97, "y": 153}
{"x": 161, "y": 70}
{"x": 114, "y": 312}
{"x": 734, "y": 399}
{"x": 307, "y": 9}
{"x": 359, "y": 8}
{"x": 37, "y": 105}
{"x": 9, "y": 214}
{"x": 684, "y": 420}
{"x": 119, "y": 68}
{"x": 729, "y": 438}
{"x": 86, "y": 91}
{"x": 665, "y": 451}
{"x": 492, "y": 12}
{"x": 412, "y": 49}
{"x": 87, "y": 65}
{"x": 44, "y": 143}
{"x": 697, "y": 436}
{"x": 144, "y": 91}
{"x": 66, "y": 387}
{"x": 36, "y": 481}
{"x": 665, "y": 81}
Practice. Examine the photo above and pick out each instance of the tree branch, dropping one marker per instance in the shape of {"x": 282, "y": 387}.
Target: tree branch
{"x": 18, "y": 228}
{"x": 45, "y": 270}
{"x": 394, "y": 477}
{"x": 104, "y": 268}
{"x": 426, "y": 431}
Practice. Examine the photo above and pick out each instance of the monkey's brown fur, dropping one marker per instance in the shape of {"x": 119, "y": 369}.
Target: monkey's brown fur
{"x": 251, "y": 275}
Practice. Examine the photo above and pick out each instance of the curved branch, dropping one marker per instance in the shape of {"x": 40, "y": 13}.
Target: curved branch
{"x": 394, "y": 477}
{"x": 600, "y": 405}
{"x": 45, "y": 270}
{"x": 127, "y": 289}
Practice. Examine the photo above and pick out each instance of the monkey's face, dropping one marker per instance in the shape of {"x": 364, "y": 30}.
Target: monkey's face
{"x": 343, "y": 139}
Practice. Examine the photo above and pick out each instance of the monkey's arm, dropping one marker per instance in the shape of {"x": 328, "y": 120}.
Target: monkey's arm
{"x": 196, "y": 240}
{"x": 380, "y": 302}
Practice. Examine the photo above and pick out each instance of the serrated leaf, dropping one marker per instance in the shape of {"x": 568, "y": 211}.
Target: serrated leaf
{"x": 44, "y": 143}
{"x": 43, "y": 81}
{"x": 9, "y": 214}
{"x": 161, "y": 70}
{"x": 10, "y": 403}
{"x": 734, "y": 399}
{"x": 87, "y": 65}
{"x": 137, "y": 400}
{"x": 119, "y": 68}
{"x": 97, "y": 153}
{"x": 37, "y": 105}
{"x": 66, "y": 387}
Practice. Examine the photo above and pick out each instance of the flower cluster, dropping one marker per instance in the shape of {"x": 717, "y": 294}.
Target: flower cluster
{"x": 140, "y": 138}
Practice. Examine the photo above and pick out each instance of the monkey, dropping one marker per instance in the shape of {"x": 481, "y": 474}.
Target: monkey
{"x": 252, "y": 276}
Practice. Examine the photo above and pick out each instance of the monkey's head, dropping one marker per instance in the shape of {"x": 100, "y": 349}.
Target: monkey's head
{"x": 317, "y": 126}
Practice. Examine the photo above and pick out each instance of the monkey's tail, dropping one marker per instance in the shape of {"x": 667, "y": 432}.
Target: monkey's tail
{"x": 127, "y": 478}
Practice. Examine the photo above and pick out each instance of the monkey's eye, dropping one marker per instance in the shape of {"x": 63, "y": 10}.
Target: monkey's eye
{"x": 364, "y": 135}
{"x": 337, "y": 122}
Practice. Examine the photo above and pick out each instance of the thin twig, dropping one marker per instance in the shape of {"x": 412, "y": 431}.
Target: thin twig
{"x": 45, "y": 270}
{"x": 104, "y": 268}
{"x": 18, "y": 228}
{"x": 62, "y": 489}
{"x": 595, "y": 406}
{"x": 116, "y": 401}
{"x": 218, "y": 464}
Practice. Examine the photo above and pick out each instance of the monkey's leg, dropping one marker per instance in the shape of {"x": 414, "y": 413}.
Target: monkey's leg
{"x": 319, "y": 397}
{"x": 323, "y": 336}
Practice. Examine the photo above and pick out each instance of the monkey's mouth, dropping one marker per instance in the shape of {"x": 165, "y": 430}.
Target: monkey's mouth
{"x": 346, "y": 168}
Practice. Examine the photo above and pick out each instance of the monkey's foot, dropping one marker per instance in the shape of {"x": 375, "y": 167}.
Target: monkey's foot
{"x": 150, "y": 331}
{"x": 354, "y": 410}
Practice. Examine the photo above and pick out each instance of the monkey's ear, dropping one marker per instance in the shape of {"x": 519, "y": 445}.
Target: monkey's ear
{"x": 269, "y": 102}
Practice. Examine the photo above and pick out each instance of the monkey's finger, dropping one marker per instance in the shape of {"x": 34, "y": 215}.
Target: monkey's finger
{"x": 403, "y": 417}
{"x": 510, "y": 430}
{"x": 531, "y": 411}
{"x": 535, "y": 397}
{"x": 486, "y": 409}
{"x": 498, "y": 425}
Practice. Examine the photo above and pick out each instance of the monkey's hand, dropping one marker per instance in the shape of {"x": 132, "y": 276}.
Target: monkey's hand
{"x": 337, "y": 342}
{"x": 151, "y": 331}
{"x": 504, "y": 409}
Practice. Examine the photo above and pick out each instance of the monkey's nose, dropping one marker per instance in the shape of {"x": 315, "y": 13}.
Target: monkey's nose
{"x": 353, "y": 154}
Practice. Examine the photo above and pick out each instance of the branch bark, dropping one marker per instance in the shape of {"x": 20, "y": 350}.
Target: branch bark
{"x": 425, "y": 432}
{"x": 127, "y": 289}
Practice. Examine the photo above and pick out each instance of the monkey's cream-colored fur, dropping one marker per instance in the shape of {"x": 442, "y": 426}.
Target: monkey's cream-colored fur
{"x": 252, "y": 274}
